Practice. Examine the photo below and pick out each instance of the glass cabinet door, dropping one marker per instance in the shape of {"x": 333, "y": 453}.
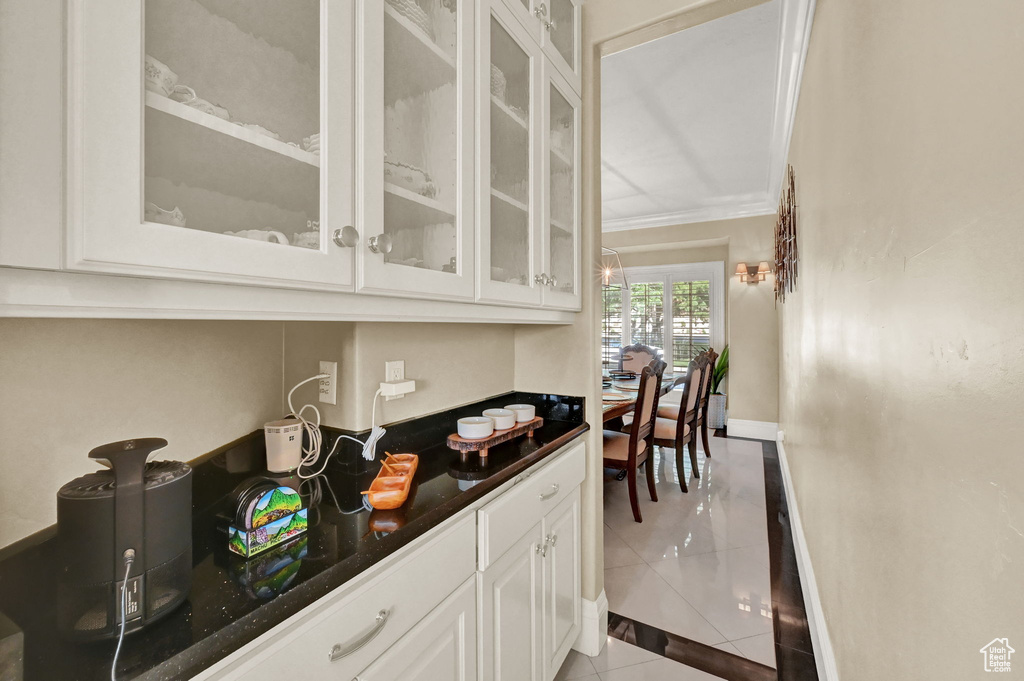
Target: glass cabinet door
{"x": 561, "y": 27}
{"x": 561, "y": 275}
{"x": 228, "y": 100}
{"x": 418, "y": 240}
{"x": 510, "y": 98}
{"x": 232, "y": 119}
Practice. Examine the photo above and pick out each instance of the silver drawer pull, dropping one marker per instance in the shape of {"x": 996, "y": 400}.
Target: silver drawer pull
{"x": 551, "y": 539}
{"x": 547, "y": 495}
{"x": 338, "y": 651}
{"x": 542, "y": 549}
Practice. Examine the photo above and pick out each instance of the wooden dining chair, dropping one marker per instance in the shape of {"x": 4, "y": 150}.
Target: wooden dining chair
{"x": 702, "y": 411}
{"x": 628, "y": 452}
{"x": 679, "y": 433}
{"x": 636, "y": 357}
{"x": 671, "y": 411}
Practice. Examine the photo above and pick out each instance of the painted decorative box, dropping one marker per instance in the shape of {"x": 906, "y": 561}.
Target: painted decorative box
{"x": 265, "y": 519}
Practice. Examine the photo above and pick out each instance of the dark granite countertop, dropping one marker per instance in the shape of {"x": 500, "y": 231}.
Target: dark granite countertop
{"x": 233, "y": 601}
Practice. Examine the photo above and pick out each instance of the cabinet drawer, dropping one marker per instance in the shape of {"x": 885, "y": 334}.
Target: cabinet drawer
{"x": 345, "y": 635}
{"x": 503, "y": 521}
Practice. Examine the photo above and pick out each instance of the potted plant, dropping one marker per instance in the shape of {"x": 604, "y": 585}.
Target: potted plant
{"x": 716, "y": 403}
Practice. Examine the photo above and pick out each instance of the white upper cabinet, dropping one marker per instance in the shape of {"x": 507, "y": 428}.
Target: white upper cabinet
{"x": 416, "y": 154}
{"x": 562, "y": 32}
{"x": 556, "y": 25}
{"x": 529, "y": 208}
{"x": 218, "y": 147}
{"x": 562, "y": 196}
{"x": 510, "y": 116}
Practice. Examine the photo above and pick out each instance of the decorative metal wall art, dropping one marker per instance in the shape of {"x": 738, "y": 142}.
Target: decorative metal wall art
{"x": 787, "y": 255}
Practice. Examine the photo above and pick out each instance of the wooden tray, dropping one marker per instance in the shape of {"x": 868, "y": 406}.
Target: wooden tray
{"x": 461, "y": 444}
{"x": 390, "y": 489}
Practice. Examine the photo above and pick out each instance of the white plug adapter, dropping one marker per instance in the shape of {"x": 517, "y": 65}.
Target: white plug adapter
{"x": 392, "y": 389}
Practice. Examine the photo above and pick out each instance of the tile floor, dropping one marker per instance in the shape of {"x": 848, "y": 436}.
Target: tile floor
{"x": 696, "y": 567}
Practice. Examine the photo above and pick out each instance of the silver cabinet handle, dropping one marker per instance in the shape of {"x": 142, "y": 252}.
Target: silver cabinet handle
{"x": 346, "y": 237}
{"x": 551, "y": 539}
{"x": 540, "y": 278}
{"x": 552, "y": 282}
{"x": 541, "y": 11}
{"x": 544, "y": 496}
{"x": 542, "y": 550}
{"x": 339, "y": 651}
{"x": 381, "y": 243}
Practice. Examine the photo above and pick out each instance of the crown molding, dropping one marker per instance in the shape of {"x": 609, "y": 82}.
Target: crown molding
{"x": 764, "y": 206}
{"x": 794, "y": 37}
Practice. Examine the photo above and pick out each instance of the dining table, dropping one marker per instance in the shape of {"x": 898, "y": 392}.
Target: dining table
{"x": 620, "y": 398}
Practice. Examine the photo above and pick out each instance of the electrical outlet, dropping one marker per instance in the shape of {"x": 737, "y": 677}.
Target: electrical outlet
{"x": 394, "y": 371}
{"x": 329, "y": 385}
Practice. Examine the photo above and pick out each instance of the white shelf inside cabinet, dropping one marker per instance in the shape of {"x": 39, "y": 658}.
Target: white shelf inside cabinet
{"x": 423, "y": 64}
{"x": 199, "y": 156}
{"x": 411, "y": 209}
{"x": 192, "y": 115}
{"x": 561, "y": 157}
{"x": 509, "y": 117}
{"x": 505, "y": 198}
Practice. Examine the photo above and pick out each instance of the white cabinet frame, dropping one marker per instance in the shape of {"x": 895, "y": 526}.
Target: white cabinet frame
{"x": 553, "y": 298}
{"x": 373, "y": 274}
{"x": 499, "y": 292}
{"x": 105, "y": 231}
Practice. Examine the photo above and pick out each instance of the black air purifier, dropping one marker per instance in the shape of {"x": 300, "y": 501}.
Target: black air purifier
{"x": 135, "y": 508}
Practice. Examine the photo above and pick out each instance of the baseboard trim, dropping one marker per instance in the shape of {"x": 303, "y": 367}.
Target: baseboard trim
{"x": 593, "y": 626}
{"x": 756, "y": 430}
{"x": 824, "y": 656}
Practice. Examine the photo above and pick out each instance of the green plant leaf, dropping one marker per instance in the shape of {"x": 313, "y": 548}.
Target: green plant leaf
{"x": 721, "y": 369}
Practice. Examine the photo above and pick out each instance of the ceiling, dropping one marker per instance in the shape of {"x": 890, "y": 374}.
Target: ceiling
{"x": 688, "y": 123}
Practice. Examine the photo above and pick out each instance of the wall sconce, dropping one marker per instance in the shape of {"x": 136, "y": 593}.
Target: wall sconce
{"x": 751, "y": 274}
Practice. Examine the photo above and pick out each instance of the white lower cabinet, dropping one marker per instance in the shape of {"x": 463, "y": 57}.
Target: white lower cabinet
{"x": 442, "y": 647}
{"x": 510, "y": 603}
{"x": 530, "y": 595}
{"x": 561, "y": 569}
{"x": 493, "y": 594}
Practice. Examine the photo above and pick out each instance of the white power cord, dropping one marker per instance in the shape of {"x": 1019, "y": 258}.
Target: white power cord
{"x": 311, "y": 454}
{"x": 129, "y": 558}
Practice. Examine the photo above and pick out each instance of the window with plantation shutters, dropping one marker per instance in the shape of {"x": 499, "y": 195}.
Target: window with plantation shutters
{"x": 691, "y": 321}
{"x": 677, "y": 309}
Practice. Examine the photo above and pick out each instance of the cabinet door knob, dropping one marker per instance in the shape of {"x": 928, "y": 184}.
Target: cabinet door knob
{"x": 552, "y": 539}
{"x": 552, "y": 282}
{"x": 346, "y": 237}
{"x": 549, "y": 25}
{"x": 541, "y": 11}
{"x": 542, "y": 549}
{"x": 380, "y": 244}
{"x": 547, "y": 495}
{"x": 339, "y": 651}
{"x": 542, "y": 279}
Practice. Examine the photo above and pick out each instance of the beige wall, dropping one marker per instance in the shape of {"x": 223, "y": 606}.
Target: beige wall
{"x": 751, "y": 322}
{"x": 902, "y": 353}
{"x": 67, "y": 386}
{"x": 452, "y": 364}
{"x": 73, "y": 384}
